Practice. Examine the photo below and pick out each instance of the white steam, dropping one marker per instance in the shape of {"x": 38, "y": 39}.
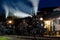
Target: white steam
{"x": 14, "y": 12}
{"x": 35, "y": 5}
{"x": 6, "y": 10}
{"x": 20, "y": 14}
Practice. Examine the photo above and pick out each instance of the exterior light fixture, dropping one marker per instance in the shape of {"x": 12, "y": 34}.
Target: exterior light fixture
{"x": 41, "y": 19}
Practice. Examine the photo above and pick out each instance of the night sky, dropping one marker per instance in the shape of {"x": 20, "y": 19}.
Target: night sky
{"x": 24, "y": 8}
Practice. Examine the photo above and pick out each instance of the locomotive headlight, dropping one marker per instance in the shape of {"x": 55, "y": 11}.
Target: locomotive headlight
{"x": 10, "y": 22}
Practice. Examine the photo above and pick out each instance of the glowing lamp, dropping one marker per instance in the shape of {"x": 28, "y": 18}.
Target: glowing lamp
{"x": 41, "y": 19}
{"x": 10, "y": 21}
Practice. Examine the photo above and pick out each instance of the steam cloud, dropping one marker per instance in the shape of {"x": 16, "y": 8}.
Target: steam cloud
{"x": 15, "y": 11}
{"x": 6, "y": 10}
{"x": 20, "y": 9}
{"x": 35, "y": 5}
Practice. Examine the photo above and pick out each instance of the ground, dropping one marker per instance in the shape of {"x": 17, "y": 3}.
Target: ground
{"x": 11, "y": 37}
